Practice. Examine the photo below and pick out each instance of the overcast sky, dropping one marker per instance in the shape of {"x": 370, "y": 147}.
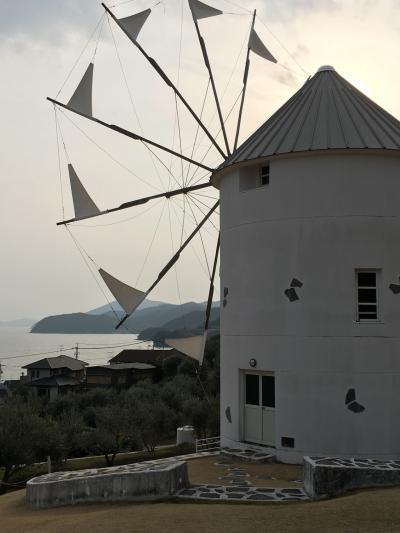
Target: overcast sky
{"x": 42, "y": 271}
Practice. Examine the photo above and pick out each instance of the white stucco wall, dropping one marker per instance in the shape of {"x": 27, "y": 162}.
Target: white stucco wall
{"x": 321, "y": 217}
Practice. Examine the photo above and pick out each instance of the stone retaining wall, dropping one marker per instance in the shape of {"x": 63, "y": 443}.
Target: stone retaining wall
{"x": 330, "y": 476}
{"x": 129, "y": 482}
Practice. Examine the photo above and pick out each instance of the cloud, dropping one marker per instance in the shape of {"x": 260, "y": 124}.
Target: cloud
{"x": 45, "y": 21}
{"x": 284, "y": 10}
{"x": 286, "y": 76}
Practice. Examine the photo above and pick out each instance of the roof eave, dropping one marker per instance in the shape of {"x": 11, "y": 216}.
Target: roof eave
{"x": 223, "y": 171}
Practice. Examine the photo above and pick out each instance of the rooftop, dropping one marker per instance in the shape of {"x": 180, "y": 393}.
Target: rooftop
{"x": 327, "y": 113}
{"x": 140, "y": 356}
{"x": 61, "y": 361}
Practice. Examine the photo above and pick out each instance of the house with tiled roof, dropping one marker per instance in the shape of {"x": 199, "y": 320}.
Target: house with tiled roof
{"x": 52, "y": 376}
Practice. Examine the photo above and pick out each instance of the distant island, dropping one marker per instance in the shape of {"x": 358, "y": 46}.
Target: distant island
{"x": 152, "y": 321}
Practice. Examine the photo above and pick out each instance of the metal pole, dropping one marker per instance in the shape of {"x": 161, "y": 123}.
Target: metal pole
{"x": 131, "y": 135}
{"x": 245, "y": 77}
{"x": 211, "y": 291}
{"x": 208, "y": 66}
{"x": 140, "y": 201}
{"x": 161, "y": 73}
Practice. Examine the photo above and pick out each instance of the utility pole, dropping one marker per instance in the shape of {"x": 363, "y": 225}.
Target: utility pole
{"x": 76, "y": 351}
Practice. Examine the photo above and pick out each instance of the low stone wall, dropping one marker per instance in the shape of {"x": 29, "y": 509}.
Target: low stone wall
{"x": 330, "y": 476}
{"x": 142, "y": 481}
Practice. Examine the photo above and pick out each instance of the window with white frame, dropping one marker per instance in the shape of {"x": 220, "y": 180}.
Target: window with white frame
{"x": 264, "y": 176}
{"x": 367, "y": 295}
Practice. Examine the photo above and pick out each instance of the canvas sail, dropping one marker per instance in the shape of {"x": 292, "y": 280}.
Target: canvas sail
{"x": 202, "y": 11}
{"x": 191, "y": 346}
{"x": 133, "y": 24}
{"x": 258, "y": 47}
{"x": 81, "y": 100}
{"x": 128, "y": 297}
{"x": 84, "y": 206}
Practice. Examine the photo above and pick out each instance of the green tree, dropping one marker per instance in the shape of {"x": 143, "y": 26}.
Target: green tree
{"x": 25, "y": 437}
{"x": 112, "y": 433}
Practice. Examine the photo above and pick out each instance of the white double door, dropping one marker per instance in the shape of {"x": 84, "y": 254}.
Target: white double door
{"x": 259, "y": 408}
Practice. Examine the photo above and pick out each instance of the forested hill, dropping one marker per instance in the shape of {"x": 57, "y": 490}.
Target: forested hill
{"x": 159, "y": 316}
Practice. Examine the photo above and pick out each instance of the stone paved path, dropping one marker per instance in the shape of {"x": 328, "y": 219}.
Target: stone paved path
{"x": 240, "y": 488}
{"x": 220, "y": 492}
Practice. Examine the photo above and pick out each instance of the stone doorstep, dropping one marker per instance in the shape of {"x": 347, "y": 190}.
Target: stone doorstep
{"x": 248, "y": 454}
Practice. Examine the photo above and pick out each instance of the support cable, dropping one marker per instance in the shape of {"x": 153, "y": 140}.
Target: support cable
{"x": 139, "y": 201}
{"x": 120, "y": 221}
{"x": 85, "y": 256}
{"x": 151, "y": 244}
{"x": 209, "y": 148}
{"x": 100, "y": 21}
{"x": 124, "y": 167}
{"x": 128, "y": 133}
{"x": 210, "y": 73}
{"x": 198, "y": 129}
{"x": 202, "y": 241}
{"x": 59, "y": 162}
{"x": 178, "y": 289}
{"x": 175, "y": 258}
{"x": 245, "y": 78}
{"x": 163, "y": 75}
{"x": 192, "y": 247}
{"x": 202, "y": 212}
{"x": 131, "y": 97}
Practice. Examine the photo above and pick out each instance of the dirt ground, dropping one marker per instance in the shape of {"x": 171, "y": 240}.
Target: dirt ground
{"x": 206, "y": 471}
{"x": 363, "y": 512}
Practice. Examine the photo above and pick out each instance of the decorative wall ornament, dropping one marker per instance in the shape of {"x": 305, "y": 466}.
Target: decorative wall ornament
{"x": 253, "y": 362}
{"x": 395, "y": 288}
{"x": 225, "y": 300}
{"x": 352, "y": 404}
{"x": 296, "y": 283}
{"x": 292, "y": 295}
{"x": 291, "y": 292}
{"x": 228, "y": 414}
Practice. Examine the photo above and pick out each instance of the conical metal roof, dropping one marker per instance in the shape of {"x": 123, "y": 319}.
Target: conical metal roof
{"x": 326, "y": 113}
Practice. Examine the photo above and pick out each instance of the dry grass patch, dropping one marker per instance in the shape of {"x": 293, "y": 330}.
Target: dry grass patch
{"x": 364, "y": 512}
{"x": 205, "y": 471}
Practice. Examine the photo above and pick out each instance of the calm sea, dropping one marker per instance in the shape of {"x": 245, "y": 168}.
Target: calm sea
{"x": 18, "y": 346}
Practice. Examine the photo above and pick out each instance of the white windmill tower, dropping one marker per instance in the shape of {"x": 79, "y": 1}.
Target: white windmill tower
{"x": 310, "y": 322}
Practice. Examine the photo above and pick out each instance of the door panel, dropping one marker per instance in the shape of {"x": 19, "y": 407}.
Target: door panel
{"x": 259, "y": 408}
{"x": 252, "y": 423}
{"x": 252, "y": 389}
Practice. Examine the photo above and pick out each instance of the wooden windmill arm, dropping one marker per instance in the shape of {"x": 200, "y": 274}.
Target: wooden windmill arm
{"x": 130, "y": 134}
{"x": 140, "y": 201}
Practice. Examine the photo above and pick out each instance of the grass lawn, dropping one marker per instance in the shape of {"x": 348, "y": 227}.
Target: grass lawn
{"x": 206, "y": 471}
{"x": 369, "y": 511}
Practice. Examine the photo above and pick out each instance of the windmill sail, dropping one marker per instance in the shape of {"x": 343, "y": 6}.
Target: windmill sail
{"x": 191, "y": 346}
{"x": 128, "y": 297}
{"x": 202, "y": 11}
{"x": 258, "y": 47}
{"x": 133, "y": 24}
{"x": 81, "y": 100}
{"x": 83, "y": 204}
